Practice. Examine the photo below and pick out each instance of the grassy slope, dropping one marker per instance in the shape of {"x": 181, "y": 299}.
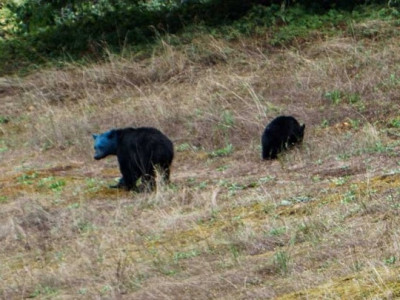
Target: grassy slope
{"x": 320, "y": 222}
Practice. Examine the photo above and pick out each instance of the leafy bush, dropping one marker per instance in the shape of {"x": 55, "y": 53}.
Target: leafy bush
{"x": 34, "y": 31}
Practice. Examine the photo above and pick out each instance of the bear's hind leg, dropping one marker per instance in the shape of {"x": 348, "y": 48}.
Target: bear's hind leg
{"x": 149, "y": 182}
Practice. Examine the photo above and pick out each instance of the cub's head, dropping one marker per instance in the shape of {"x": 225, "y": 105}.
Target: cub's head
{"x": 105, "y": 144}
{"x": 300, "y": 135}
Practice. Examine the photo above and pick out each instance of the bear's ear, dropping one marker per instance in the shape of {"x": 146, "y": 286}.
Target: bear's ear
{"x": 111, "y": 134}
{"x": 95, "y": 136}
{"x": 303, "y": 127}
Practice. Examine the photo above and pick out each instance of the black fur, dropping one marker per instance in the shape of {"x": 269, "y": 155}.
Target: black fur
{"x": 139, "y": 151}
{"x": 282, "y": 132}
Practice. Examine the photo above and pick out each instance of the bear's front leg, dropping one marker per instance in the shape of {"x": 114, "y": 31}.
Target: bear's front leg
{"x": 120, "y": 185}
{"x": 129, "y": 179}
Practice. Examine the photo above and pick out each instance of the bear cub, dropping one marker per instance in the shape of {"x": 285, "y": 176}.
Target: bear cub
{"x": 281, "y": 133}
{"x": 139, "y": 151}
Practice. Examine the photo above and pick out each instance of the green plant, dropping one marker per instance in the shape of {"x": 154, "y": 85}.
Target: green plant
{"x": 27, "y": 178}
{"x": 45, "y": 291}
{"x": 84, "y": 226}
{"x": 56, "y": 185}
{"x": 234, "y": 187}
{"x": 340, "y": 180}
{"x": 316, "y": 178}
{"x": 277, "y": 231}
{"x": 235, "y": 252}
{"x": 222, "y": 168}
{"x": 74, "y": 205}
{"x": 394, "y": 79}
{"x": 226, "y": 151}
{"x": 4, "y": 120}
{"x": 349, "y": 196}
{"x": 82, "y": 291}
{"x": 202, "y": 185}
{"x": 395, "y": 123}
{"x": 324, "y": 123}
{"x": 334, "y": 96}
{"x": 105, "y": 289}
{"x": 390, "y": 260}
{"x": 354, "y": 98}
{"x": 355, "y": 123}
{"x": 227, "y": 120}
{"x": 185, "y": 255}
{"x": 281, "y": 261}
{"x": 266, "y": 179}
{"x": 183, "y": 147}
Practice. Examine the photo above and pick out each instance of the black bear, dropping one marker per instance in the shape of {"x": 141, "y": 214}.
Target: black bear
{"x": 282, "y": 132}
{"x": 139, "y": 151}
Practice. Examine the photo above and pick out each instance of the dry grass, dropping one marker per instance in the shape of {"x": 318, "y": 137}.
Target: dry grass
{"x": 320, "y": 222}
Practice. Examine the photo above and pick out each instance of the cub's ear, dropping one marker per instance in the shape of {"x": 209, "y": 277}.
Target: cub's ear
{"x": 95, "y": 136}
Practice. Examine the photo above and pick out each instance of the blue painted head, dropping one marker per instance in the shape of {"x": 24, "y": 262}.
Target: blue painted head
{"x": 105, "y": 144}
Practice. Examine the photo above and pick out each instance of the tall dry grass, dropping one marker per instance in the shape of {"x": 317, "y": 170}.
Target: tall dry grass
{"x": 229, "y": 225}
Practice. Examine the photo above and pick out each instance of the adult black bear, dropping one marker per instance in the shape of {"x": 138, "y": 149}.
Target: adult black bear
{"x": 139, "y": 151}
{"x": 282, "y": 132}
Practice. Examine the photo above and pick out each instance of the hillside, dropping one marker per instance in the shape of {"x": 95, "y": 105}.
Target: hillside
{"x": 321, "y": 222}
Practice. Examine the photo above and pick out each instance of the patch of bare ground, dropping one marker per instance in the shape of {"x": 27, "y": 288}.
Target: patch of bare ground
{"x": 319, "y": 222}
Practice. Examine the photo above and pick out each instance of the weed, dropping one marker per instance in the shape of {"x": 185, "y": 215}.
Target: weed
{"x": 316, "y": 178}
{"x": 234, "y": 187}
{"x": 277, "y": 231}
{"x": 3, "y": 199}
{"x": 324, "y": 123}
{"x": 390, "y": 260}
{"x": 75, "y": 205}
{"x": 394, "y": 80}
{"x": 56, "y": 185}
{"x": 4, "y": 120}
{"x": 343, "y": 156}
{"x": 296, "y": 199}
{"x": 185, "y": 255}
{"x": 394, "y": 201}
{"x": 379, "y": 147}
{"x": 222, "y": 168}
{"x": 281, "y": 261}
{"x": 349, "y": 196}
{"x": 266, "y": 179}
{"x": 202, "y": 185}
{"x": 45, "y": 291}
{"x": 235, "y": 252}
{"x": 354, "y": 98}
{"x": 395, "y": 123}
{"x": 334, "y": 96}
{"x": 183, "y": 147}
{"x": 226, "y": 151}
{"x": 105, "y": 289}
{"x": 27, "y": 178}
{"x": 355, "y": 123}
{"x": 340, "y": 180}
{"x": 84, "y": 226}
{"x": 227, "y": 120}
{"x": 82, "y": 291}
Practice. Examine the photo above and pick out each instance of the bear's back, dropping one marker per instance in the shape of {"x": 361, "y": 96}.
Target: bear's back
{"x": 280, "y": 128}
{"x": 147, "y": 139}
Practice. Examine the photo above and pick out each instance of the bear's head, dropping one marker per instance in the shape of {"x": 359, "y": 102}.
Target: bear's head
{"x": 105, "y": 144}
{"x": 300, "y": 134}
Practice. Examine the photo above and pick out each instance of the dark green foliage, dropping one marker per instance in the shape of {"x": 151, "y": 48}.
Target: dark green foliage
{"x": 45, "y": 30}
